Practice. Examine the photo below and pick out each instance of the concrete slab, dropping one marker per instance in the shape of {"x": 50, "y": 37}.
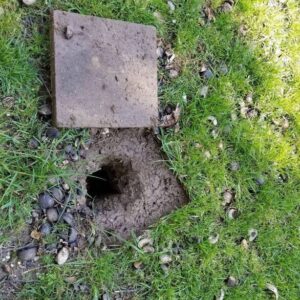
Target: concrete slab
{"x": 104, "y": 72}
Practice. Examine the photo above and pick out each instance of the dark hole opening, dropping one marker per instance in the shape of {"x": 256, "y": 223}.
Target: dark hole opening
{"x": 109, "y": 180}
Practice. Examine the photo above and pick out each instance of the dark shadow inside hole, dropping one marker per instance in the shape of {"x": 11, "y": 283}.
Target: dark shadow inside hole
{"x": 109, "y": 180}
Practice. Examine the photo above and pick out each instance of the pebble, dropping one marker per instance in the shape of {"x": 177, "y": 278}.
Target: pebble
{"x": 62, "y": 255}
{"x": 45, "y": 110}
{"x": 213, "y": 239}
{"x": 260, "y": 180}
{"x": 29, "y": 2}
{"x": 65, "y": 186}
{"x": 223, "y": 69}
{"x": 27, "y": 254}
{"x": 33, "y": 144}
{"x": 68, "y": 149}
{"x": 226, "y": 7}
{"x": 231, "y": 281}
{"x": 234, "y": 166}
{"x": 45, "y": 229}
{"x": 56, "y": 193}
{"x": 74, "y": 156}
{"x": 52, "y": 133}
{"x": 159, "y": 52}
{"x": 138, "y": 265}
{"x": 165, "y": 259}
{"x": 82, "y": 153}
{"x": 68, "y": 218}
{"x": 52, "y": 215}
{"x": 228, "y": 197}
{"x": 173, "y": 73}
{"x": 46, "y": 201}
{"x": 207, "y": 74}
{"x": 204, "y": 91}
{"x": 73, "y": 235}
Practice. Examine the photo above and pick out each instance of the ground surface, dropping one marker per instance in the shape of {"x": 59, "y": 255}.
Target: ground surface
{"x": 250, "y": 149}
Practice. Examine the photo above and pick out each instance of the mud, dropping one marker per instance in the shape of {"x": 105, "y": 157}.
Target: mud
{"x": 128, "y": 182}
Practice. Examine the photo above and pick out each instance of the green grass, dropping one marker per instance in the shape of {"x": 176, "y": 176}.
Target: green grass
{"x": 259, "y": 145}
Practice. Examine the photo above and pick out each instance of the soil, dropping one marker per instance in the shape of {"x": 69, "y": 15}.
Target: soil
{"x": 128, "y": 182}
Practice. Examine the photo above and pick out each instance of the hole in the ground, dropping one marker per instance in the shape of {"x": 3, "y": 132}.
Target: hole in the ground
{"x": 109, "y": 180}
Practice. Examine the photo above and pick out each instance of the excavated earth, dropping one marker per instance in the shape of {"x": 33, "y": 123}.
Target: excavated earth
{"x": 128, "y": 183}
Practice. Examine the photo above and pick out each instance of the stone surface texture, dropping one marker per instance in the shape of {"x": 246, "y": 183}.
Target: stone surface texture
{"x": 104, "y": 72}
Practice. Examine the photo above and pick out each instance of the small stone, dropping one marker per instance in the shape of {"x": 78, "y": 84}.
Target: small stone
{"x": 52, "y": 133}
{"x": 207, "y": 74}
{"x": 159, "y": 52}
{"x": 56, "y": 193}
{"x": 171, "y": 5}
{"x": 68, "y": 149}
{"x": 74, "y": 156}
{"x": 173, "y": 73}
{"x": 45, "y": 229}
{"x": 45, "y": 110}
{"x": 46, "y": 201}
{"x": 231, "y": 281}
{"x": 73, "y": 235}
{"x": 234, "y": 166}
{"x": 226, "y": 7}
{"x": 260, "y": 180}
{"x": 27, "y": 254}
{"x": 68, "y": 218}
{"x": 29, "y": 2}
{"x": 213, "y": 239}
{"x": 82, "y": 153}
{"x": 204, "y": 91}
{"x": 62, "y": 256}
{"x": 223, "y": 69}
{"x": 165, "y": 259}
{"x": 52, "y": 215}
{"x": 207, "y": 154}
{"x": 65, "y": 187}
{"x": 227, "y": 197}
{"x": 138, "y": 265}
{"x": 68, "y": 32}
{"x": 249, "y": 98}
{"x": 33, "y": 144}
{"x": 244, "y": 244}
{"x": 253, "y": 233}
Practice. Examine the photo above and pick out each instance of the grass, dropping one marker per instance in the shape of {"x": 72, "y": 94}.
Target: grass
{"x": 264, "y": 61}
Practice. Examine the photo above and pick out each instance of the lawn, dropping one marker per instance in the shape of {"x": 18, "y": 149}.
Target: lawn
{"x": 238, "y": 136}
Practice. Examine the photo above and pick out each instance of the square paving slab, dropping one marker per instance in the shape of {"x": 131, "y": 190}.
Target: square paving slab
{"x": 104, "y": 72}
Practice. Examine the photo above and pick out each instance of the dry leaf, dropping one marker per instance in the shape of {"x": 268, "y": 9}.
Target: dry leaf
{"x": 36, "y": 235}
{"x": 171, "y": 119}
{"x": 209, "y": 13}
